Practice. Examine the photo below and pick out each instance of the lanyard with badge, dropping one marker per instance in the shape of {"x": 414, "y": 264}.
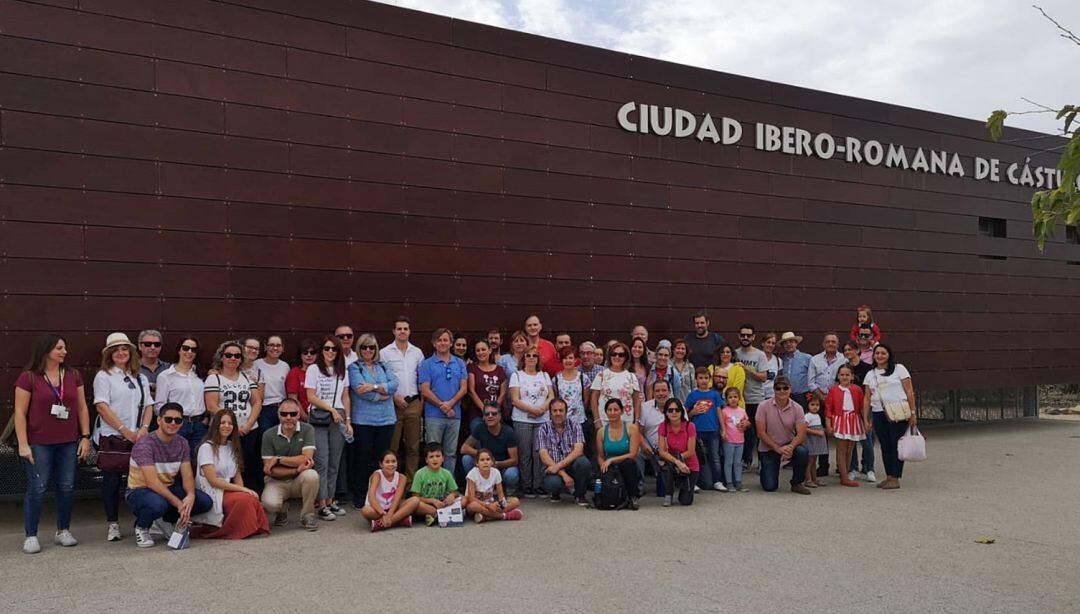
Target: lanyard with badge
{"x": 58, "y": 408}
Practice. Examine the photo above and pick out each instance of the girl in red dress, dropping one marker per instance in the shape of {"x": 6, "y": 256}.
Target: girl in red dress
{"x": 843, "y": 418}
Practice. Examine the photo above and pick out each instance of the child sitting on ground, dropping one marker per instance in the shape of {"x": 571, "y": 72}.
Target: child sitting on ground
{"x": 386, "y": 489}
{"x": 484, "y": 496}
{"x": 863, "y": 315}
{"x": 816, "y": 443}
{"x": 433, "y": 486}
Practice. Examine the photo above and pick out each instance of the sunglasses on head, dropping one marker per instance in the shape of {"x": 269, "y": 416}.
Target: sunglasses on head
{"x": 329, "y": 348}
{"x": 172, "y": 419}
{"x": 344, "y": 336}
{"x": 288, "y": 414}
{"x": 231, "y": 355}
{"x": 150, "y": 344}
{"x": 188, "y": 348}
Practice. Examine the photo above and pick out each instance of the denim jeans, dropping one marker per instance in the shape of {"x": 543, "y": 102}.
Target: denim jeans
{"x": 148, "y": 506}
{"x": 866, "y": 446}
{"x": 57, "y": 461}
{"x": 711, "y": 469}
{"x": 444, "y": 431}
{"x": 112, "y": 489}
{"x": 750, "y": 434}
{"x": 329, "y": 442}
{"x": 532, "y": 470}
{"x": 510, "y": 475}
{"x": 193, "y": 432}
{"x": 580, "y": 470}
{"x": 889, "y": 434}
{"x": 368, "y": 444}
{"x": 770, "y": 467}
{"x": 733, "y": 462}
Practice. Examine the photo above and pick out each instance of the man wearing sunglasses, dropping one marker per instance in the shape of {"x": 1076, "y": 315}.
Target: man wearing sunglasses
{"x": 150, "y": 342}
{"x": 154, "y": 492}
{"x": 443, "y": 383}
{"x": 346, "y": 336}
{"x": 501, "y": 440}
{"x": 288, "y": 455}
{"x": 865, "y": 339}
{"x": 781, "y": 433}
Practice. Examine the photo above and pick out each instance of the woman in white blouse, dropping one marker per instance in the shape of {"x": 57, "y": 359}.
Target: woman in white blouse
{"x": 125, "y": 408}
{"x": 273, "y": 371}
{"x": 181, "y": 384}
{"x": 530, "y": 395}
{"x": 237, "y": 511}
{"x": 887, "y": 383}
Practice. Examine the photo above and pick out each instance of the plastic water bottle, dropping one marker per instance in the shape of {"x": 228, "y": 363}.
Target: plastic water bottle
{"x": 345, "y": 434}
{"x": 596, "y": 487}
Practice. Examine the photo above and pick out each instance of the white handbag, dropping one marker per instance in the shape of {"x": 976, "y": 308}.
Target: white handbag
{"x": 912, "y": 446}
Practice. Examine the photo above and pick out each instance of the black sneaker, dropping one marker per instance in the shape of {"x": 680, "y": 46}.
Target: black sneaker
{"x": 530, "y": 493}
{"x": 326, "y": 514}
{"x": 555, "y": 498}
{"x": 582, "y": 501}
{"x": 633, "y": 503}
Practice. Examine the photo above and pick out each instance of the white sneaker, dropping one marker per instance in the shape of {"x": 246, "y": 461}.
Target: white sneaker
{"x": 719, "y": 486}
{"x": 870, "y": 477}
{"x": 143, "y": 539}
{"x": 114, "y": 532}
{"x": 161, "y": 528}
{"x": 852, "y": 475}
{"x": 697, "y": 488}
{"x": 65, "y": 538}
{"x": 31, "y": 545}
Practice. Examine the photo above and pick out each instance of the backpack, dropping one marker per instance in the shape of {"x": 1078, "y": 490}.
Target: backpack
{"x": 612, "y": 495}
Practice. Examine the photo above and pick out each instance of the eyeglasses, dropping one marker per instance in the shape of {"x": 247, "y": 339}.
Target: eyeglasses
{"x": 130, "y": 383}
{"x": 781, "y": 388}
{"x": 674, "y": 410}
{"x": 490, "y": 413}
{"x": 288, "y": 414}
{"x": 188, "y": 348}
{"x": 329, "y": 348}
{"x": 232, "y": 355}
{"x": 344, "y": 336}
{"x": 618, "y": 354}
{"x": 532, "y": 356}
{"x": 172, "y": 420}
{"x": 367, "y": 347}
{"x": 309, "y": 352}
{"x": 745, "y": 335}
{"x": 150, "y": 344}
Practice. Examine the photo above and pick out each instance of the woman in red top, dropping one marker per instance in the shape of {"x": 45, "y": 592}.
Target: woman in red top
{"x": 843, "y": 419}
{"x": 294, "y": 382}
{"x": 52, "y": 425}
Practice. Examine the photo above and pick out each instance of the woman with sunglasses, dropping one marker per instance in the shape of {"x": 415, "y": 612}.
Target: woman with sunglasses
{"x": 181, "y": 384}
{"x": 617, "y": 446}
{"x": 679, "y": 465}
{"x": 616, "y": 381}
{"x": 125, "y": 408}
{"x": 230, "y": 388}
{"x": 327, "y": 389}
{"x": 306, "y": 354}
{"x": 530, "y": 395}
{"x": 237, "y": 511}
{"x": 372, "y": 385}
{"x": 273, "y": 371}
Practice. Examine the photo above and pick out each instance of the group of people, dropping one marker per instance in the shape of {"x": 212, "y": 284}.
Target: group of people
{"x": 223, "y": 450}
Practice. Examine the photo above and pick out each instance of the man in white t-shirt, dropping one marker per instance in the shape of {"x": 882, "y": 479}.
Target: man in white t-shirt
{"x": 345, "y": 334}
{"x": 652, "y": 416}
{"x": 404, "y": 360}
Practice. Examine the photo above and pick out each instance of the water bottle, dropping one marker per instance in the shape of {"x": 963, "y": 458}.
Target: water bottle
{"x": 596, "y": 487}
{"x": 345, "y": 434}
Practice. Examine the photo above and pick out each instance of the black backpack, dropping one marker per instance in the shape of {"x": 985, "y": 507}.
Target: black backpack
{"x": 612, "y": 494}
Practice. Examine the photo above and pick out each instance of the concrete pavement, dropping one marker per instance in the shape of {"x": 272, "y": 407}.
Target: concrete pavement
{"x": 911, "y": 550}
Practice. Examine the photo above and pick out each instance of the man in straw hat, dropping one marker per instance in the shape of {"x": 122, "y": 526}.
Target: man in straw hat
{"x": 796, "y": 366}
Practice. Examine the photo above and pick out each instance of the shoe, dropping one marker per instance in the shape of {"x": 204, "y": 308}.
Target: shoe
{"x": 358, "y": 506}
{"x": 308, "y": 522}
{"x": 634, "y": 503}
{"x": 530, "y": 493}
{"x": 336, "y": 509}
{"x": 513, "y": 515}
{"x": 326, "y": 514}
{"x": 555, "y": 498}
{"x": 31, "y": 545}
{"x": 809, "y": 484}
{"x": 478, "y": 517}
{"x": 881, "y": 484}
{"x": 740, "y": 488}
{"x": 870, "y": 477}
{"x": 849, "y": 483}
{"x": 719, "y": 486}
{"x": 852, "y": 476}
{"x": 281, "y": 518}
{"x": 666, "y": 503}
{"x": 800, "y": 489}
{"x": 429, "y": 519}
{"x": 890, "y": 485}
{"x": 143, "y": 538}
{"x": 65, "y": 538}
{"x": 114, "y": 532}
{"x": 581, "y": 501}
{"x": 162, "y": 527}
{"x": 406, "y": 522}
{"x": 697, "y": 488}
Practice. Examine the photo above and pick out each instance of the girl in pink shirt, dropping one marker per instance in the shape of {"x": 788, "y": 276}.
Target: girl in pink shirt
{"x": 734, "y": 423}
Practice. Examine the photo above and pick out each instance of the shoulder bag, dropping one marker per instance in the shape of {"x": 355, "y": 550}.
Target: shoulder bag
{"x": 114, "y": 451}
{"x": 318, "y": 416}
{"x": 895, "y": 411}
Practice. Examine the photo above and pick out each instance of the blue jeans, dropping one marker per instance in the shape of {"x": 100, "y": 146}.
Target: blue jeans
{"x": 733, "y": 462}
{"x": 580, "y": 470}
{"x": 889, "y": 434}
{"x": 149, "y": 506}
{"x": 867, "y": 448}
{"x": 444, "y": 431}
{"x": 193, "y": 432}
{"x": 510, "y": 475}
{"x": 112, "y": 490}
{"x": 770, "y": 467}
{"x": 711, "y": 470}
{"x": 57, "y": 461}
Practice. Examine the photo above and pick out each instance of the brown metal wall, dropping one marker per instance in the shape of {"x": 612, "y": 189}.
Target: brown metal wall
{"x": 280, "y": 166}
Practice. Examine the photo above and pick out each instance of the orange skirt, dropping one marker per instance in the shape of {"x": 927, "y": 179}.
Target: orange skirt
{"x": 244, "y": 517}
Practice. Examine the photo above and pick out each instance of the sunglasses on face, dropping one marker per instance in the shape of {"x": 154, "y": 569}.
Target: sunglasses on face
{"x": 367, "y": 347}
{"x": 344, "y": 336}
{"x": 618, "y": 354}
{"x": 232, "y": 355}
{"x": 745, "y": 335}
{"x": 330, "y": 348}
{"x": 150, "y": 344}
{"x": 309, "y": 352}
{"x": 673, "y": 410}
{"x": 172, "y": 420}
{"x": 532, "y": 356}
{"x": 865, "y": 335}
{"x": 288, "y": 414}
{"x": 782, "y": 388}
{"x": 188, "y": 348}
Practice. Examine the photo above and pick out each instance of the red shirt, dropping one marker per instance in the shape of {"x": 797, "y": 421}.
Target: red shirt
{"x": 43, "y": 428}
{"x": 834, "y": 401}
{"x": 549, "y": 358}
{"x": 294, "y": 384}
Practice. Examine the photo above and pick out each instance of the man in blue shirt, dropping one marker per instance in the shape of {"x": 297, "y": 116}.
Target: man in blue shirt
{"x": 796, "y": 366}
{"x": 443, "y": 383}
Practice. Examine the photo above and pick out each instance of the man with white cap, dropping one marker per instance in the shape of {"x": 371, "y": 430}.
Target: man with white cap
{"x": 796, "y": 366}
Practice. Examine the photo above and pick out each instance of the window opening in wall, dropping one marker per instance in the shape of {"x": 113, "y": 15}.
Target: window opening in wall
{"x": 1071, "y": 235}
{"x": 992, "y": 227}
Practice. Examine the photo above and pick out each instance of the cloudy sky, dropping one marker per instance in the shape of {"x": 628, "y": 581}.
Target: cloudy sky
{"x": 961, "y": 57}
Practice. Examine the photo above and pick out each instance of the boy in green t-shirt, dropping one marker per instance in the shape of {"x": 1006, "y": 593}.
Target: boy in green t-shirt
{"x": 433, "y": 485}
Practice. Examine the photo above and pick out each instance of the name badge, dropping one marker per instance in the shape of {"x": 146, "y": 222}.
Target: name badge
{"x": 60, "y": 412}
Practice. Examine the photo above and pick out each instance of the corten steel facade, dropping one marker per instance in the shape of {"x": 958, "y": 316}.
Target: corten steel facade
{"x": 279, "y": 166}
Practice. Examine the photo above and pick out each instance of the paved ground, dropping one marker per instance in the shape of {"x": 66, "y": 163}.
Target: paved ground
{"x": 911, "y": 550}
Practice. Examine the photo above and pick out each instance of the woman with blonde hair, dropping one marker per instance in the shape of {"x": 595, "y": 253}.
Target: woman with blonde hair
{"x": 372, "y": 385}
{"x": 228, "y": 387}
